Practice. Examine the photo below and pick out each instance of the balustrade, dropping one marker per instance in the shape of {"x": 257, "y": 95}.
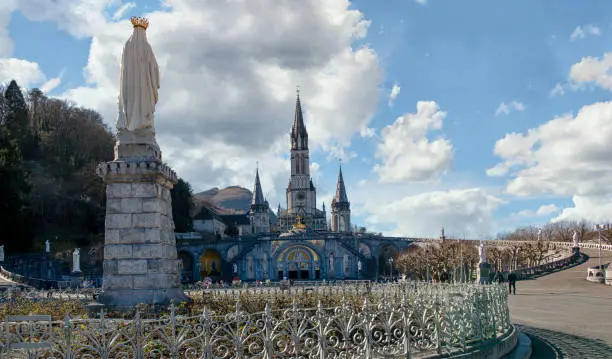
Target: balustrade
{"x": 410, "y": 319}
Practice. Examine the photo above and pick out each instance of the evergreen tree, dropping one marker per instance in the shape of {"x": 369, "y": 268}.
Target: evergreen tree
{"x": 182, "y": 205}
{"x": 13, "y": 186}
{"x": 18, "y": 121}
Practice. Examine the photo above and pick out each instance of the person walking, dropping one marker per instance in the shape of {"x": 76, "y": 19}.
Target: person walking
{"x": 512, "y": 283}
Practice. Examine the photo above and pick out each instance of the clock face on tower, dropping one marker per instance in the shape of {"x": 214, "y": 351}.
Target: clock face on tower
{"x": 301, "y": 196}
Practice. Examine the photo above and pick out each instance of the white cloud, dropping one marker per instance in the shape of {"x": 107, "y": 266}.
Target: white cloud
{"x": 542, "y": 211}
{"x": 367, "y": 132}
{"x": 590, "y": 208}
{"x": 421, "y": 2}
{"x": 558, "y": 90}
{"x": 51, "y": 84}
{"x": 406, "y": 152}
{"x": 566, "y": 156}
{"x": 226, "y": 69}
{"x": 498, "y": 170}
{"x": 26, "y": 73}
{"x": 581, "y": 32}
{"x": 393, "y": 94}
{"x": 462, "y": 212}
{"x": 122, "y": 10}
{"x": 592, "y": 70}
{"x": 80, "y": 19}
{"x": 518, "y": 106}
{"x": 340, "y": 153}
{"x": 505, "y": 109}
{"x": 6, "y": 43}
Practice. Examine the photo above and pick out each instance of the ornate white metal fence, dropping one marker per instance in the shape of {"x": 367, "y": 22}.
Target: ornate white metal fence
{"x": 427, "y": 319}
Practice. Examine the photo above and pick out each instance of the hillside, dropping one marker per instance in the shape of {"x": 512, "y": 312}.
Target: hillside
{"x": 232, "y": 199}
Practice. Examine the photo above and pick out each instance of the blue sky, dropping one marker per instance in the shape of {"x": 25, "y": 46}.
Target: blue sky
{"x": 469, "y": 57}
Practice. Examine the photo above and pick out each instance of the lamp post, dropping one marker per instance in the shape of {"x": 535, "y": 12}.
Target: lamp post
{"x": 461, "y": 261}
{"x": 391, "y": 263}
{"x": 599, "y": 227}
{"x": 427, "y": 264}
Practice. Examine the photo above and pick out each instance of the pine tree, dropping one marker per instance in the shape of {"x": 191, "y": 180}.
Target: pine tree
{"x": 18, "y": 120}
{"x": 13, "y": 186}
{"x": 182, "y": 205}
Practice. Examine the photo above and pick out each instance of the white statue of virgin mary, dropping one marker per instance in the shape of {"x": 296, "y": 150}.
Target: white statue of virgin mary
{"x": 481, "y": 252}
{"x": 575, "y": 239}
{"x": 139, "y": 81}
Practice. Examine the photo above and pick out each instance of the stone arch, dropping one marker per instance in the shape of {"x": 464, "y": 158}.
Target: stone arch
{"x": 299, "y": 262}
{"x": 210, "y": 264}
{"x": 232, "y": 252}
{"x": 365, "y": 250}
{"x": 385, "y": 252}
{"x": 186, "y": 265}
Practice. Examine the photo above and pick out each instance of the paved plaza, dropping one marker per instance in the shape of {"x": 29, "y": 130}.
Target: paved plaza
{"x": 566, "y": 316}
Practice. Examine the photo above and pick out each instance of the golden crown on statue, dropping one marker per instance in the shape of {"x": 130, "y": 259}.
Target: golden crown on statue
{"x": 139, "y": 22}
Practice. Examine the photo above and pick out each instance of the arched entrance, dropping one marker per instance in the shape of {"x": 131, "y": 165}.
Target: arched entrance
{"x": 299, "y": 262}
{"x": 386, "y": 260}
{"x": 210, "y": 264}
{"x": 186, "y": 265}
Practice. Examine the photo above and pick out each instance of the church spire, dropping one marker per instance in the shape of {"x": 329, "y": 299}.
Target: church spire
{"x": 299, "y": 135}
{"x": 341, "y": 196}
{"x": 258, "y": 198}
{"x": 340, "y": 207}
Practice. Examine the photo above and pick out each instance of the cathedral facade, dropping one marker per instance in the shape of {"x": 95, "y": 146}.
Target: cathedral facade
{"x": 302, "y": 244}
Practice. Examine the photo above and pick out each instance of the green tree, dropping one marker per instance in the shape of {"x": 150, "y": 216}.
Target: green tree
{"x": 13, "y": 187}
{"x": 18, "y": 120}
{"x": 182, "y": 206}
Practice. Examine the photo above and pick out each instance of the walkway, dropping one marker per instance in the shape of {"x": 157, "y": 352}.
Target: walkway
{"x": 5, "y": 282}
{"x": 566, "y": 316}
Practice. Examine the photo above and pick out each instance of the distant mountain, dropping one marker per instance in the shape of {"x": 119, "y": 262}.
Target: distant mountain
{"x": 229, "y": 200}
{"x": 233, "y": 199}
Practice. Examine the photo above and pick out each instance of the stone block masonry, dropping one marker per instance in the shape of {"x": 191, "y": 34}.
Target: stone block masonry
{"x": 140, "y": 258}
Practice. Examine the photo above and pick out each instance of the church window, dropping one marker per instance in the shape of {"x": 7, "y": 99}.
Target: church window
{"x": 298, "y": 164}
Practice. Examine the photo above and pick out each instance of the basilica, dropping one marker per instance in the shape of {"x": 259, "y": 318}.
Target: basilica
{"x": 301, "y": 194}
{"x": 299, "y": 245}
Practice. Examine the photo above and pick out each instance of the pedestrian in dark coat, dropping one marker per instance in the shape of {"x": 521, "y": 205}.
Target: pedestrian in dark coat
{"x": 512, "y": 283}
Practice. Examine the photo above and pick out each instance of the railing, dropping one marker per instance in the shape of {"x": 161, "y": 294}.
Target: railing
{"x": 524, "y": 273}
{"x": 605, "y": 247}
{"x": 431, "y": 319}
{"x": 41, "y": 283}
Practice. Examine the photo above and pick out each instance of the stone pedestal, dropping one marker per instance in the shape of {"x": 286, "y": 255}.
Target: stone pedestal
{"x": 137, "y": 146}
{"x": 482, "y": 273}
{"x": 140, "y": 257}
{"x": 76, "y": 278}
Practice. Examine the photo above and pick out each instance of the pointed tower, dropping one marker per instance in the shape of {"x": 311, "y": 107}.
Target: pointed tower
{"x": 299, "y": 135}
{"x": 340, "y": 208}
{"x": 259, "y": 213}
{"x": 301, "y": 192}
